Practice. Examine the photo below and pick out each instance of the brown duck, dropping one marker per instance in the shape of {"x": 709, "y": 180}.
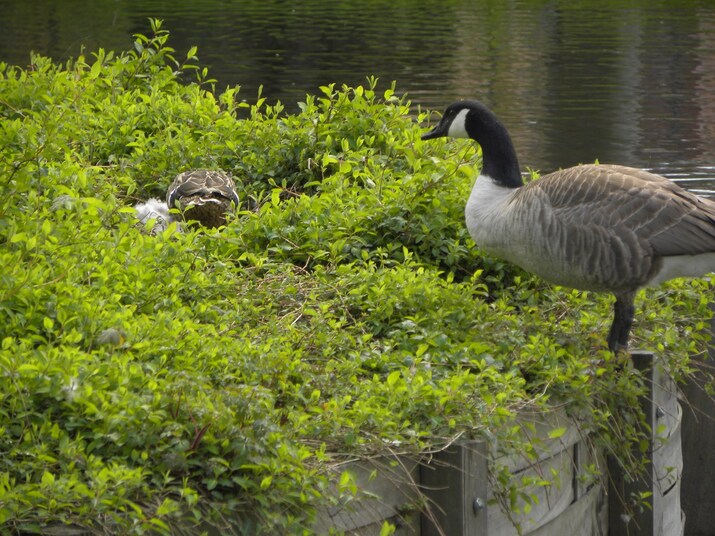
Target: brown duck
{"x": 204, "y": 196}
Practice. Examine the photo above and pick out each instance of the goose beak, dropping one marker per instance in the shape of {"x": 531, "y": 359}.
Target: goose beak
{"x": 439, "y": 131}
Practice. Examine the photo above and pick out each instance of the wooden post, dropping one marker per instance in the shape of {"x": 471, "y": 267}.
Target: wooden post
{"x": 455, "y": 483}
{"x": 621, "y": 520}
{"x": 698, "y": 445}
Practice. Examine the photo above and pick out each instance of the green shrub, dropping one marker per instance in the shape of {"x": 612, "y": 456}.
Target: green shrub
{"x": 148, "y": 382}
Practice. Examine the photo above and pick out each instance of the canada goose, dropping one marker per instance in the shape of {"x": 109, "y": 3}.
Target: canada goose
{"x": 156, "y": 210}
{"x": 591, "y": 227}
{"x": 205, "y": 195}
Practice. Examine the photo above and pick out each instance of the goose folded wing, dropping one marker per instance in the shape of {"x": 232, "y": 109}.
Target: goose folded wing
{"x": 684, "y": 226}
{"x": 623, "y": 200}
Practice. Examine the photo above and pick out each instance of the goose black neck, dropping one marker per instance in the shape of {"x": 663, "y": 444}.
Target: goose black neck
{"x": 499, "y": 160}
{"x": 501, "y": 165}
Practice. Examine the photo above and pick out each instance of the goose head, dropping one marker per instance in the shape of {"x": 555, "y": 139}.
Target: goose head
{"x": 472, "y": 119}
{"x": 454, "y": 121}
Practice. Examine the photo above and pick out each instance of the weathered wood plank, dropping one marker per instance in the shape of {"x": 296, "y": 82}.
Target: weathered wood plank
{"x": 622, "y": 520}
{"x": 537, "y": 427}
{"x": 455, "y": 483}
{"x": 389, "y": 492}
{"x": 667, "y": 449}
{"x": 667, "y": 457}
{"x": 671, "y": 515}
{"x": 665, "y": 395}
{"x": 589, "y": 464}
{"x": 668, "y": 454}
{"x": 698, "y": 483}
{"x": 586, "y": 517}
{"x": 549, "y": 501}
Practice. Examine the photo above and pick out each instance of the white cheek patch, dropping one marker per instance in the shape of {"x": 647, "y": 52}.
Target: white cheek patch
{"x": 458, "y": 129}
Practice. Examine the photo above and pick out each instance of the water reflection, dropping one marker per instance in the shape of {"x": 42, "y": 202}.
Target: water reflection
{"x": 618, "y": 85}
{"x": 630, "y": 82}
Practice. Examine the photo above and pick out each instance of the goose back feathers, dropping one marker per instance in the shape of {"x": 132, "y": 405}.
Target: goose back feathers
{"x": 593, "y": 227}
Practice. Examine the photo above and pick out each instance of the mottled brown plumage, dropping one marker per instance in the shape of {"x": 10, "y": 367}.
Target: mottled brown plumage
{"x": 205, "y": 196}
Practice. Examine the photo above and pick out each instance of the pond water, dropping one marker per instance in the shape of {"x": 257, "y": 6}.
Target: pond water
{"x": 630, "y": 82}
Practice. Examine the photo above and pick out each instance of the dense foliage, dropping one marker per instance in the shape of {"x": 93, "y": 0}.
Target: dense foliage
{"x": 150, "y": 381}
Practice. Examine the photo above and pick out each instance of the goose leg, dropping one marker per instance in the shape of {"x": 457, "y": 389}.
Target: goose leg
{"x": 623, "y": 312}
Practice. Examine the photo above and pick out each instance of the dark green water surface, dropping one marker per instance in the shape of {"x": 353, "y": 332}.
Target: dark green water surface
{"x": 630, "y": 82}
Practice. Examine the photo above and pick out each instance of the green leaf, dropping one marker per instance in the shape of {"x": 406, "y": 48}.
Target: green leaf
{"x": 95, "y": 70}
{"x": 393, "y": 378}
{"x": 48, "y": 479}
{"x": 387, "y": 529}
{"x": 557, "y": 432}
